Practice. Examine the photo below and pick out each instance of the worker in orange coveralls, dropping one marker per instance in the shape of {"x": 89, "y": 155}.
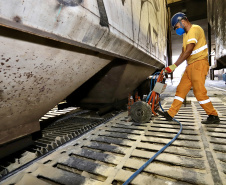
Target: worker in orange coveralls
{"x": 195, "y": 51}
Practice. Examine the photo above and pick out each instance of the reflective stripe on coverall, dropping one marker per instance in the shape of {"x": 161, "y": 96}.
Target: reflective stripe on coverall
{"x": 194, "y": 76}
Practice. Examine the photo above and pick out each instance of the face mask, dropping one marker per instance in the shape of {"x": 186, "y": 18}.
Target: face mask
{"x": 180, "y": 31}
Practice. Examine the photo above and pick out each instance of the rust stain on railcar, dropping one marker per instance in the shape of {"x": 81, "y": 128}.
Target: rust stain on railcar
{"x": 17, "y": 19}
{"x": 1, "y": 93}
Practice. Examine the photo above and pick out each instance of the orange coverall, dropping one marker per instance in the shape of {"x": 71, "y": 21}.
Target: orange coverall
{"x": 195, "y": 73}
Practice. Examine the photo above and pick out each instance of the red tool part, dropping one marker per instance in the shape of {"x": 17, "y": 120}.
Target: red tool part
{"x": 154, "y": 98}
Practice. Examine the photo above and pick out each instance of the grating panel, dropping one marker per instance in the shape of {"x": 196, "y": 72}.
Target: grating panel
{"x": 113, "y": 151}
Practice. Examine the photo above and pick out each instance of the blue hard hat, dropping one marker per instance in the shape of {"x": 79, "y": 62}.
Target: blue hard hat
{"x": 176, "y": 18}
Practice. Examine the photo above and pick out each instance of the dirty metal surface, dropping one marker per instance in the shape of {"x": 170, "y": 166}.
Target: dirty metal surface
{"x": 118, "y": 73}
{"x": 216, "y": 18}
{"x": 113, "y": 151}
{"x": 36, "y": 77}
{"x": 50, "y": 48}
{"x": 125, "y": 29}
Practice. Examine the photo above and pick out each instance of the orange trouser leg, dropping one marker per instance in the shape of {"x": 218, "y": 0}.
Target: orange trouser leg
{"x": 199, "y": 71}
{"x": 182, "y": 90}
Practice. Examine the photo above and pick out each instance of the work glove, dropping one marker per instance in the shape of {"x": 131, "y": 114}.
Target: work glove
{"x": 171, "y": 68}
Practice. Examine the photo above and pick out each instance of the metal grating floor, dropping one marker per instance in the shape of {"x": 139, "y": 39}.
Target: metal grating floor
{"x": 112, "y": 152}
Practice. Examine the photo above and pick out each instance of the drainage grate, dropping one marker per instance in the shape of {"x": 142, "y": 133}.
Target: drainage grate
{"x": 113, "y": 151}
{"x": 216, "y": 138}
{"x": 54, "y": 133}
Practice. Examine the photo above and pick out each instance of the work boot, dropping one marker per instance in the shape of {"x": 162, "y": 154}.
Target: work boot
{"x": 165, "y": 115}
{"x": 211, "y": 120}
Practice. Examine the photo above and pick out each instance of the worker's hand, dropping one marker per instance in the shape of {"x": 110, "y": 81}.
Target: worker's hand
{"x": 171, "y": 68}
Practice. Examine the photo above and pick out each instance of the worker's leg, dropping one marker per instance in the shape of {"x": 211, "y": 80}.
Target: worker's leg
{"x": 199, "y": 72}
{"x": 182, "y": 90}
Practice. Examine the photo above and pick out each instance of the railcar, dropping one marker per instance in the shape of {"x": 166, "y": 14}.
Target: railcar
{"x": 51, "y": 50}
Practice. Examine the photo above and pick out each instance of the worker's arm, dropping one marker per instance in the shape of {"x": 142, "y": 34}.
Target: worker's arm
{"x": 183, "y": 56}
{"x": 186, "y": 54}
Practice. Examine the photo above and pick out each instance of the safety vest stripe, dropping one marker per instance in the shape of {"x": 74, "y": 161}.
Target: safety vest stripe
{"x": 179, "y": 98}
{"x": 199, "y": 50}
{"x": 204, "y": 101}
{"x": 192, "y": 39}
